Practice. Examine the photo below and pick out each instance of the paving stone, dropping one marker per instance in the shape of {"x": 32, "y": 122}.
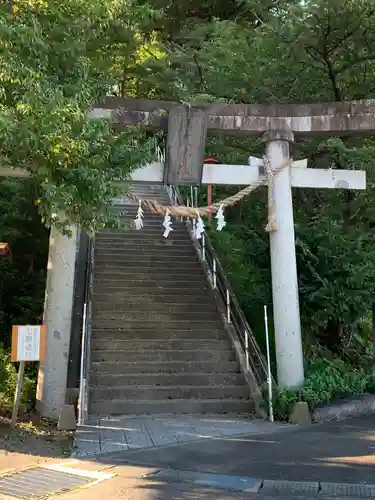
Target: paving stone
{"x": 113, "y": 440}
{"x": 160, "y": 433}
{"x": 181, "y": 429}
{"x": 348, "y": 490}
{"x": 202, "y": 428}
{"x": 136, "y": 434}
{"x": 272, "y": 486}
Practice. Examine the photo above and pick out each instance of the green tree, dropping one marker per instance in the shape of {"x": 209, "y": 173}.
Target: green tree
{"x": 294, "y": 52}
{"x": 22, "y": 282}
{"x": 55, "y": 64}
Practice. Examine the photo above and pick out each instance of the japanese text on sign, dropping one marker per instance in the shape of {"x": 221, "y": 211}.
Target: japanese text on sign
{"x": 28, "y": 342}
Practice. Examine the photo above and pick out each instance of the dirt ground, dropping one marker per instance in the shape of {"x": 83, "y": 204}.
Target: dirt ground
{"x": 35, "y": 436}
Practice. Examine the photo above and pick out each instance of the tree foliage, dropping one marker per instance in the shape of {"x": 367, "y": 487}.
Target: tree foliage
{"x": 55, "y": 64}
{"x": 58, "y": 58}
{"x": 287, "y": 52}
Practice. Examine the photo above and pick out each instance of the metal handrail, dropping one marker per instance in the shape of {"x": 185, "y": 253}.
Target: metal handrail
{"x": 86, "y": 336}
{"x": 255, "y": 360}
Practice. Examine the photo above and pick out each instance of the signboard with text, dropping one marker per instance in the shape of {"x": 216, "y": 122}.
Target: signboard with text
{"x": 28, "y": 342}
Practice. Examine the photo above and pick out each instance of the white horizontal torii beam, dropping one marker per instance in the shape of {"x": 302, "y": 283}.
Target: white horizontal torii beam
{"x": 245, "y": 175}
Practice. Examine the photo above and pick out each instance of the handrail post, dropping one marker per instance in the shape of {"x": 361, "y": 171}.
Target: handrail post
{"x": 247, "y": 349}
{"x": 228, "y": 306}
{"x": 203, "y": 247}
{"x": 214, "y": 272}
{"x": 82, "y": 377}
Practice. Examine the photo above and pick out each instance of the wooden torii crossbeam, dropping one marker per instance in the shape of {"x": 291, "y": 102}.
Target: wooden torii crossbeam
{"x": 187, "y": 126}
{"x": 277, "y": 125}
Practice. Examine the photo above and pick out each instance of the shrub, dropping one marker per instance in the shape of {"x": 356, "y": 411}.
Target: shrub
{"x": 327, "y": 380}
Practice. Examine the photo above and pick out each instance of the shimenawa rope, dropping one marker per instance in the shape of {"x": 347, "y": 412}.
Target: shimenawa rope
{"x": 193, "y": 212}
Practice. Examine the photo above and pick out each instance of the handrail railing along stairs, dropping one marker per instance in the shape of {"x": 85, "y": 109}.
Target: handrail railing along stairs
{"x": 255, "y": 361}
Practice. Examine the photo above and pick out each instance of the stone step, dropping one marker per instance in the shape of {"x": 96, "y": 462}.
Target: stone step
{"x": 156, "y": 306}
{"x": 104, "y": 344}
{"x": 166, "y": 379}
{"x": 130, "y": 210}
{"x": 128, "y": 220}
{"x": 148, "y": 262}
{"x": 169, "y": 326}
{"x": 173, "y": 251}
{"x": 161, "y": 197}
{"x": 154, "y": 226}
{"x": 152, "y": 333}
{"x": 156, "y": 316}
{"x": 139, "y": 270}
{"x": 179, "y": 229}
{"x": 133, "y": 235}
{"x": 138, "y": 239}
{"x": 158, "y": 301}
{"x": 168, "y": 294}
{"x": 166, "y": 326}
{"x": 118, "y": 259}
{"x": 170, "y": 367}
{"x": 149, "y": 393}
{"x": 158, "y": 277}
{"x": 136, "y": 288}
{"x": 170, "y": 406}
{"x": 156, "y": 355}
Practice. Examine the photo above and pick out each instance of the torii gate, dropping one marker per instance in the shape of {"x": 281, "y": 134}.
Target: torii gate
{"x": 187, "y": 127}
{"x": 277, "y": 125}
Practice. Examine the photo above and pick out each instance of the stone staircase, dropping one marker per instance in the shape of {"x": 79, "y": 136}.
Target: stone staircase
{"x": 158, "y": 342}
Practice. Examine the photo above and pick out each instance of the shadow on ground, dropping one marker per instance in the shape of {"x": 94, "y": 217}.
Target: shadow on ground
{"x": 333, "y": 452}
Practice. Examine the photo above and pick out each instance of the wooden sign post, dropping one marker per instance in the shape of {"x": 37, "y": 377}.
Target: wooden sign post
{"x": 28, "y": 344}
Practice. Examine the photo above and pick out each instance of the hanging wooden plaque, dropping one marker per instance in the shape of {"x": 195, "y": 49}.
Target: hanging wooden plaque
{"x": 187, "y": 130}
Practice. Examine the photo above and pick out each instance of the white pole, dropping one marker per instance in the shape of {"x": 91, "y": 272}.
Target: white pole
{"x": 247, "y": 349}
{"x": 288, "y": 341}
{"x": 269, "y": 374}
{"x": 82, "y": 388}
{"x": 228, "y": 306}
{"x": 214, "y": 271}
{"x": 203, "y": 247}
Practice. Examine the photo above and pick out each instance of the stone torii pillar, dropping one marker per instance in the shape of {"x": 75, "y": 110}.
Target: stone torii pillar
{"x": 288, "y": 340}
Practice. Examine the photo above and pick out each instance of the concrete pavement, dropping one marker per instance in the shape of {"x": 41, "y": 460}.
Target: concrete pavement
{"x": 120, "y": 434}
{"x": 330, "y": 452}
{"x": 322, "y": 461}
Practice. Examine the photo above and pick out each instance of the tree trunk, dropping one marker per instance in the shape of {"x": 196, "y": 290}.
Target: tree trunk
{"x": 331, "y": 338}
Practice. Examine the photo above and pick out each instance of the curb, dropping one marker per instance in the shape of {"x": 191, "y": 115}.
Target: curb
{"x": 355, "y": 406}
{"x": 264, "y": 486}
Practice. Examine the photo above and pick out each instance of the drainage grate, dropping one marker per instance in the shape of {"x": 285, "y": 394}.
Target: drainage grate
{"x": 38, "y": 482}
